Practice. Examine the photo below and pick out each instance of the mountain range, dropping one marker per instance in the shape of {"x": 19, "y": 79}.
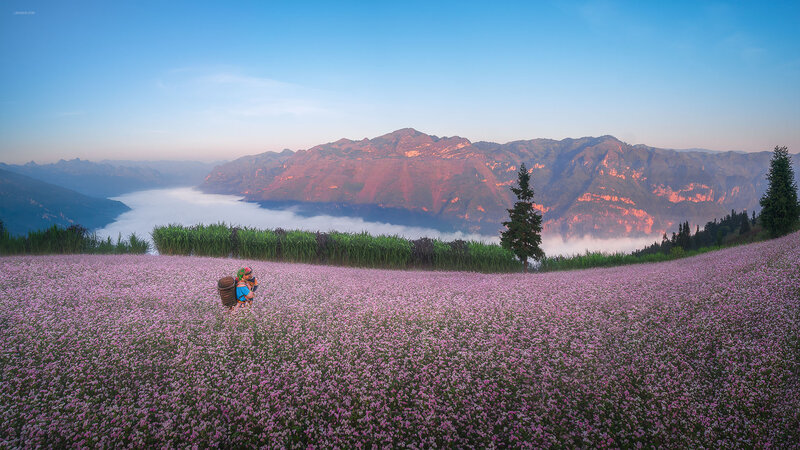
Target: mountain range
{"x": 28, "y": 204}
{"x": 35, "y": 196}
{"x": 592, "y": 186}
{"x": 112, "y": 178}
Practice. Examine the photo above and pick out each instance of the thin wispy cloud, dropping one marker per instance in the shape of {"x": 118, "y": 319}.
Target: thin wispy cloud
{"x": 70, "y": 113}
{"x": 235, "y": 94}
{"x": 745, "y": 48}
{"x": 296, "y": 107}
{"x": 598, "y": 12}
{"x": 612, "y": 18}
{"x": 250, "y": 82}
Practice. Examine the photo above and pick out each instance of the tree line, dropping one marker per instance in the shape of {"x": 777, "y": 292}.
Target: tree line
{"x": 714, "y": 233}
{"x": 780, "y": 215}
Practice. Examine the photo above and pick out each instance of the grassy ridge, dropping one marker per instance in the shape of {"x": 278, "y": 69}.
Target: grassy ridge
{"x": 335, "y": 248}
{"x": 600, "y": 259}
{"x": 75, "y": 239}
{"x": 665, "y": 252}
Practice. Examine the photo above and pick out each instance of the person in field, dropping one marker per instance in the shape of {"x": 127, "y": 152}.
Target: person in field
{"x": 250, "y": 279}
{"x": 246, "y": 285}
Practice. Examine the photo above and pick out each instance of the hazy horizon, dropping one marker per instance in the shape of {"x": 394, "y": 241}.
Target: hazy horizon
{"x": 218, "y": 158}
{"x": 153, "y": 80}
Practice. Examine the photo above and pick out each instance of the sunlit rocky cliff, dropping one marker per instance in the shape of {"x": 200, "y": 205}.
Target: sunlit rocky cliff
{"x": 600, "y": 187}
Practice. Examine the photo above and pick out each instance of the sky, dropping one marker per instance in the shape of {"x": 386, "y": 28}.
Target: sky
{"x": 219, "y": 80}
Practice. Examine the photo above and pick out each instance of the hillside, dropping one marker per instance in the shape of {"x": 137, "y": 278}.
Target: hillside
{"x": 112, "y": 178}
{"x": 696, "y": 353}
{"x": 28, "y": 204}
{"x": 601, "y": 187}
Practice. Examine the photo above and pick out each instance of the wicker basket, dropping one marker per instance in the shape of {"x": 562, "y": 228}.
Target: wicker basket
{"x": 227, "y": 291}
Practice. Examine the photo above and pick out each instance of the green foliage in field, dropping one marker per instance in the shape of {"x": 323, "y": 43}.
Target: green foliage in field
{"x": 299, "y": 246}
{"x": 364, "y": 250}
{"x": 451, "y": 255}
{"x": 599, "y": 259}
{"x": 256, "y": 244}
{"x": 211, "y": 240}
{"x": 343, "y": 249}
{"x": 490, "y": 258}
{"x": 75, "y": 239}
{"x": 173, "y": 240}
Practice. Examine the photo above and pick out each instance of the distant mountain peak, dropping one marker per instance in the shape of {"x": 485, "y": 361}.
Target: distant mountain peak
{"x": 598, "y": 186}
{"x": 411, "y": 133}
{"x": 403, "y": 132}
{"x": 404, "y": 135}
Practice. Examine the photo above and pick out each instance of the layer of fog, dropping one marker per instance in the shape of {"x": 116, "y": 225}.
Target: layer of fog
{"x": 188, "y": 206}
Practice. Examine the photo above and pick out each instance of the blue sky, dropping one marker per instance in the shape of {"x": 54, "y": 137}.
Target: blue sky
{"x": 218, "y": 80}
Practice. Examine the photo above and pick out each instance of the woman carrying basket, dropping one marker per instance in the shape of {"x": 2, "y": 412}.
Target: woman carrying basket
{"x": 246, "y": 285}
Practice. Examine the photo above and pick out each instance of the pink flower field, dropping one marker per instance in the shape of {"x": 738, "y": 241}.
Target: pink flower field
{"x": 136, "y": 351}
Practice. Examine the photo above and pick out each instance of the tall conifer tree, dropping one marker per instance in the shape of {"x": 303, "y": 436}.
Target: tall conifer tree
{"x": 523, "y": 234}
{"x": 745, "y": 227}
{"x": 780, "y": 211}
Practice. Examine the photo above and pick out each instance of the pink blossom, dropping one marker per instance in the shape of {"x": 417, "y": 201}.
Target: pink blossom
{"x": 136, "y": 351}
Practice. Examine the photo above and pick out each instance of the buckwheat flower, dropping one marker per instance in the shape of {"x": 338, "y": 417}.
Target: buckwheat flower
{"x": 689, "y": 353}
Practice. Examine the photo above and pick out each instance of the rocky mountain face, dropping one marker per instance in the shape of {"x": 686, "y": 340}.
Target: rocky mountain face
{"x": 599, "y": 187}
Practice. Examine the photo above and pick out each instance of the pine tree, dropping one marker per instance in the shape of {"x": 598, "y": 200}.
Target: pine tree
{"x": 745, "y": 228}
{"x": 780, "y": 211}
{"x": 687, "y": 237}
{"x": 523, "y": 234}
{"x": 665, "y": 244}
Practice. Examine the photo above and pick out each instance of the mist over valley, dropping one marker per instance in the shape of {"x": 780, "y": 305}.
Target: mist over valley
{"x": 188, "y": 206}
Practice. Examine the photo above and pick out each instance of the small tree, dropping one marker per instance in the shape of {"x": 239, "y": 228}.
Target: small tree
{"x": 683, "y": 239}
{"x": 780, "y": 211}
{"x": 665, "y": 243}
{"x": 745, "y": 228}
{"x": 523, "y": 234}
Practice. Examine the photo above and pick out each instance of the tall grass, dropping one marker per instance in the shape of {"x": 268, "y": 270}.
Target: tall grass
{"x": 173, "y": 240}
{"x": 485, "y": 258}
{"x": 134, "y": 244}
{"x": 74, "y": 239}
{"x": 336, "y": 248}
{"x": 393, "y": 251}
{"x": 364, "y": 250}
{"x": 299, "y": 246}
{"x": 451, "y": 255}
{"x": 211, "y": 240}
{"x": 257, "y": 244}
